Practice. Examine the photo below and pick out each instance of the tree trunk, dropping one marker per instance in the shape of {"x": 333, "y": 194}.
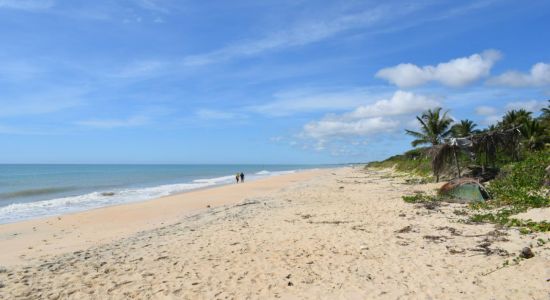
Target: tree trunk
{"x": 456, "y": 161}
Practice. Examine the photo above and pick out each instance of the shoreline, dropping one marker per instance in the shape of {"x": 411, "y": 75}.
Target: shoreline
{"x": 23, "y": 241}
{"x": 88, "y": 200}
{"x": 342, "y": 233}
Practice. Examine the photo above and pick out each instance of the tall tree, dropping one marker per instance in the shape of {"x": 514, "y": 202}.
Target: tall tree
{"x": 546, "y": 111}
{"x": 464, "y": 128}
{"x": 545, "y": 118}
{"x": 534, "y": 134}
{"x": 434, "y": 127}
{"x": 514, "y": 118}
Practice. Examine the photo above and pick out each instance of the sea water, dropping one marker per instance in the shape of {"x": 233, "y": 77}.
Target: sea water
{"x": 35, "y": 191}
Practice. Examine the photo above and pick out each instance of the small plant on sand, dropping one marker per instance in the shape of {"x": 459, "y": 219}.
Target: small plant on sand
{"x": 419, "y": 197}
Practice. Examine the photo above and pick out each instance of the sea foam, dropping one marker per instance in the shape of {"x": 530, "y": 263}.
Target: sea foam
{"x": 58, "y": 206}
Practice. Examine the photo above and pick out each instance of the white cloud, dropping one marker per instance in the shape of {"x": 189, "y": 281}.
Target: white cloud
{"x": 531, "y": 105}
{"x": 381, "y": 116}
{"x": 491, "y": 120}
{"x": 485, "y": 110}
{"x": 133, "y": 121}
{"x": 539, "y": 75}
{"x": 399, "y": 104}
{"x": 331, "y": 128}
{"x": 493, "y": 115}
{"x": 29, "y": 5}
{"x": 455, "y": 73}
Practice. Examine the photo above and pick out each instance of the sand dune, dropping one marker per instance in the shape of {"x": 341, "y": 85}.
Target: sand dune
{"x": 332, "y": 234}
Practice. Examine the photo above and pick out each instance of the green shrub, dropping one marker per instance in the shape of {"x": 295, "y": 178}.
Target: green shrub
{"x": 418, "y": 198}
{"x": 522, "y": 183}
{"x": 414, "y": 161}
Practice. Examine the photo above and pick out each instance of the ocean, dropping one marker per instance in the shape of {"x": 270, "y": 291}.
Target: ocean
{"x": 36, "y": 191}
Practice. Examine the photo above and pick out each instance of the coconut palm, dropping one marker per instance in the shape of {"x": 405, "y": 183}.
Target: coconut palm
{"x": 546, "y": 111}
{"x": 534, "y": 134}
{"x": 434, "y": 127}
{"x": 464, "y": 128}
{"x": 544, "y": 118}
{"x": 514, "y": 118}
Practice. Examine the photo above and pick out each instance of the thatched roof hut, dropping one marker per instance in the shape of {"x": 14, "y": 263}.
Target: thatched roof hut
{"x": 486, "y": 143}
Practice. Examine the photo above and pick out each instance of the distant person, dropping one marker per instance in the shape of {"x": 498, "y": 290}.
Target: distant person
{"x": 237, "y": 176}
{"x": 242, "y": 177}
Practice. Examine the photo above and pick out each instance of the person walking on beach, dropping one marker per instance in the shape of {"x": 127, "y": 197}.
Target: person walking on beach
{"x": 237, "y": 177}
{"x": 242, "y": 177}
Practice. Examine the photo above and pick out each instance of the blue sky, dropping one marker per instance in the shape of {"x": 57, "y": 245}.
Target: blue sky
{"x": 167, "y": 81}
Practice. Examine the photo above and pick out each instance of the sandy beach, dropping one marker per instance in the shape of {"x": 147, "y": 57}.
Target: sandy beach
{"x": 322, "y": 234}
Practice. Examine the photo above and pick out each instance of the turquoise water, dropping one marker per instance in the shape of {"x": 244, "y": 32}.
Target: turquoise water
{"x": 34, "y": 191}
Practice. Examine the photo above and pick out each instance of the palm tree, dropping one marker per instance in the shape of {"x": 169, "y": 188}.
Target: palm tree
{"x": 534, "y": 134}
{"x": 544, "y": 118}
{"x": 514, "y": 118}
{"x": 546, "y": 111}
{"x": 434, "y": 127}
{"x": 464, "y": 128}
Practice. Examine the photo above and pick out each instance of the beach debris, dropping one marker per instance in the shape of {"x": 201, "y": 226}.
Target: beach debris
{"x": 2, "y": 285}
{"x": 484, "y": 247}
{"x": 435, "y": 238}
{"x": 336, "y": 222}
{"x": 463, "y": 190}
{"x": 3, "y": 270}
{"x": 305, "y": 216}
{"x": 452, "y": 231}
{"x": 460, "y": 212}
{"x": 402, "y": 243}
{"x": 208, "y": 206}
{"x": 455, "y": 250}
{"x": 248, "y": 202}
{"x": 405, "y": 229}
{"x": 360, "y": 227}
{"x": 107, "y": 194}
{"x": 526, "y": 253}
{"x": 430, "y": 205}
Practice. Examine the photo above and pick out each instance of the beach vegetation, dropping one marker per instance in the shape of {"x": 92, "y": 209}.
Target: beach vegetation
{"x": 415, "y": 162}
{"x": 520, "y": 186}
{"x": 515, "y": 150}
{"x": 419, "y": 197}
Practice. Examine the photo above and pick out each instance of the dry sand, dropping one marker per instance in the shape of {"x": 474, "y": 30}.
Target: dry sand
{"x": 328, "y": 234}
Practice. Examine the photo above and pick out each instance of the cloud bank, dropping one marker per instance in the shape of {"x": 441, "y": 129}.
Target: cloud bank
{"x": 454, "y": 73}
{"x": 381, "y": 116}
{"x": 539, "y": 75}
